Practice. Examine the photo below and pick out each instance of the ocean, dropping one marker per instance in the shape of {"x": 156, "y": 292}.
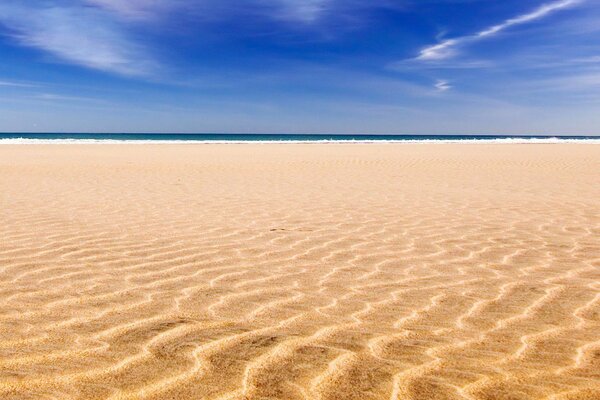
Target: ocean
{"x": 114, "y": 138}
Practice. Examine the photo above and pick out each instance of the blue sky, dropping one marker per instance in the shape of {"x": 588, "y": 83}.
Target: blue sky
{"x": 291, "y": 66}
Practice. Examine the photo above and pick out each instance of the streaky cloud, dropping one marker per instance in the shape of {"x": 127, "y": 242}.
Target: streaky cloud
{"x": 137, "y": 9}
{"x": 442, "y": 85}
{"x": 147, "y": 10}
{"x": 77, "y": 35}
{"x": 305, "y": 11}
{"x": 16, "y": 84}
{"x": 448, "y": 48}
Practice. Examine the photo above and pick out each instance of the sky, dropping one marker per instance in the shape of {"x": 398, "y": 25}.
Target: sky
{"x": 292, "y": 66}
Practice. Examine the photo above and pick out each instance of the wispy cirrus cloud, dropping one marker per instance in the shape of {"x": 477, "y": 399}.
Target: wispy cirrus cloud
{"x": 74, "y": 34}
{"x": 442, "y": 85}
{"x": 139, "y": 9}
{"x": 96, "y": 33}
{"x": 302, "y": 10}
{"x": 449, "y": 47}
{"x": 293, "y": 10}
{"x": 16, "y": 84}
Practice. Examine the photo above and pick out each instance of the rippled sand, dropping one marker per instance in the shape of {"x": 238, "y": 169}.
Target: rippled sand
{"x": 300, "y": 272}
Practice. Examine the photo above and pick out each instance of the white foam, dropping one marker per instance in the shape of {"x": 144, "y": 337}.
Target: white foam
{"x": 508, "y": 140}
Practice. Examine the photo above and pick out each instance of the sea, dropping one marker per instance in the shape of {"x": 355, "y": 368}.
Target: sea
{"x": 157, "y": 138}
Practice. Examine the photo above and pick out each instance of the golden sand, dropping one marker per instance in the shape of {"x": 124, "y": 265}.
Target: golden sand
{"x": 300, "y": 271}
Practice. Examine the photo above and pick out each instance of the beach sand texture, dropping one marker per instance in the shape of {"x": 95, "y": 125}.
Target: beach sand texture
{"x": 288, "y": 271}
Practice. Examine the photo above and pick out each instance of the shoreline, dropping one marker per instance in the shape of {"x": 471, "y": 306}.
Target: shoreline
{"x": 507, "y": 141}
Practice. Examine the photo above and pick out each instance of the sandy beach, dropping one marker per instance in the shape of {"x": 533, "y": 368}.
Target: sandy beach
{"x": 289, "y": 271}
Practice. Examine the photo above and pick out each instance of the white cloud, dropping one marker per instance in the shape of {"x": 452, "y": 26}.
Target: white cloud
{"x": 293, "y": 10}
{"x": 445, "y": 49}
{"x": 16, "y": 84}
{"x": 136, "y": 9}
{"x": 302, "y": 10}
{"x": 588, "y": 81}
{"x": 448, "y": 48}
{"x": 94, "y": 33}
{"x": 442, "y": 85}
{"x": 53, "y": 97}
{"x": 77, "y": 35}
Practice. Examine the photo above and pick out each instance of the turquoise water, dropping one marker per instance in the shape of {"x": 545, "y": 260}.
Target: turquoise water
{"x": 238, "y": 138}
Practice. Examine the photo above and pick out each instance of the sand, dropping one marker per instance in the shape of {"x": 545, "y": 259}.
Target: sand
{"x": 409, "y": 271}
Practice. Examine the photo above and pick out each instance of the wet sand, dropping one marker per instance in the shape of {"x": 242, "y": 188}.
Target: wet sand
{"x": 255, "y": 271}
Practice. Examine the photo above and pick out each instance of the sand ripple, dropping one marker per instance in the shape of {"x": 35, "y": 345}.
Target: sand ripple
{"x": 300, "y": 272}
